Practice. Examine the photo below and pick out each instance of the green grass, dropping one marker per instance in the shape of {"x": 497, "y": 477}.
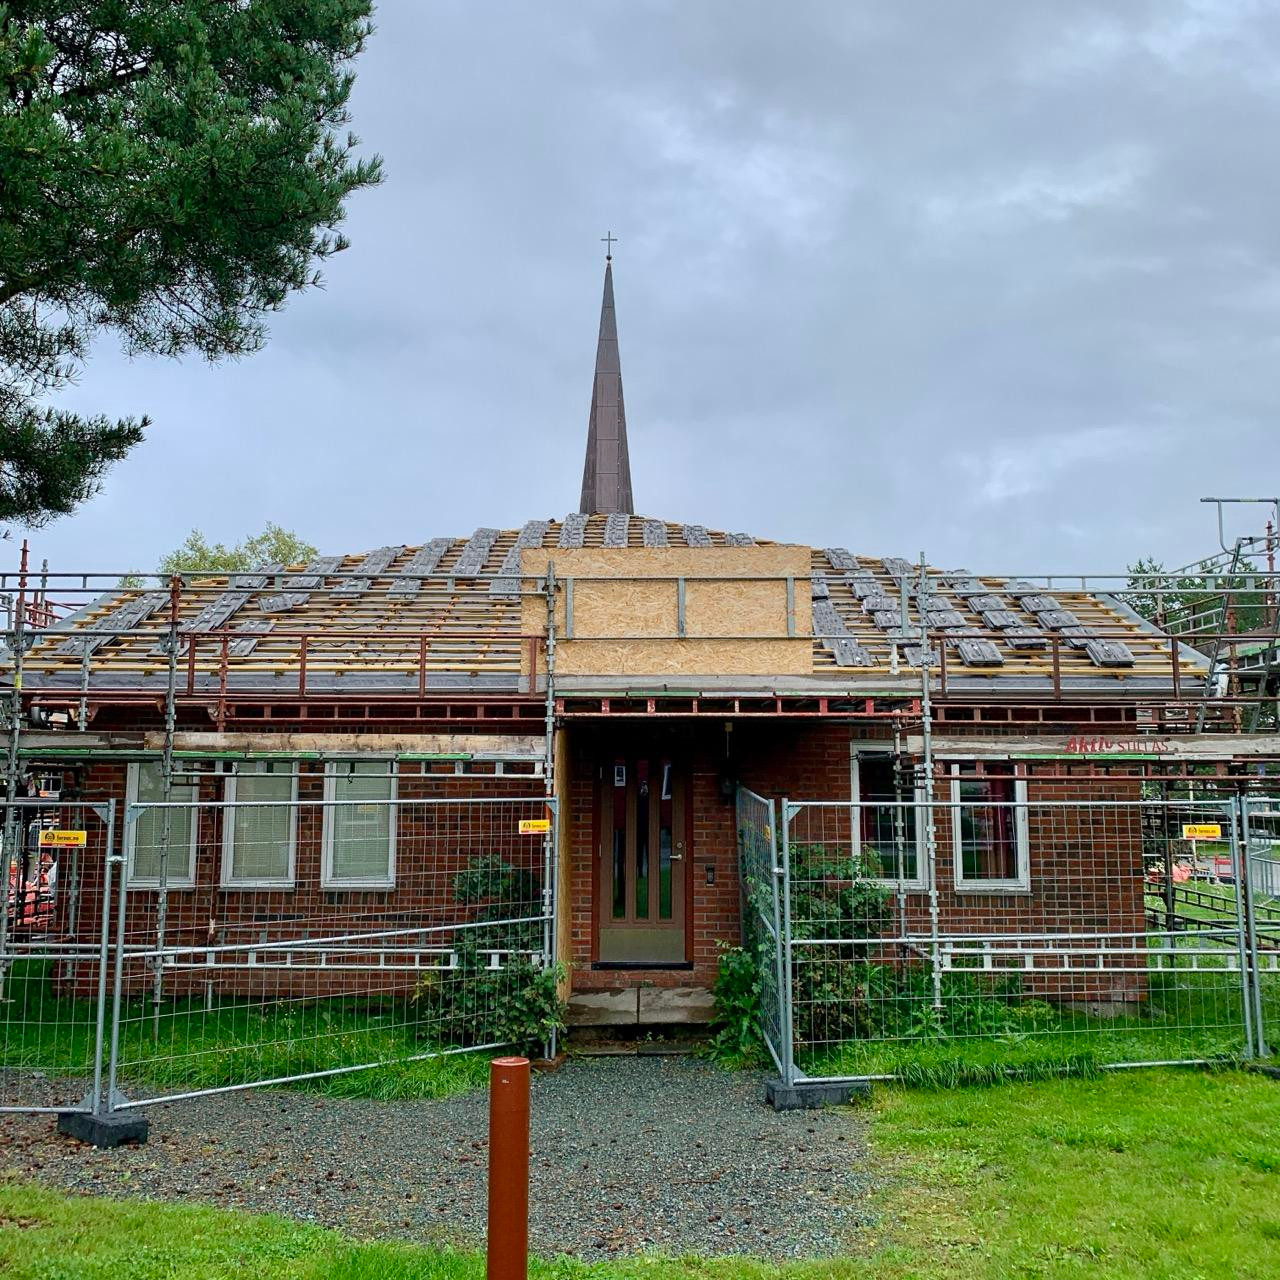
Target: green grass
{"x": 1152, "y": 1175}
{"x": 233, "y": 1044}
{"x": 985, "y": 1034}
{"x": 1219, "y": 910}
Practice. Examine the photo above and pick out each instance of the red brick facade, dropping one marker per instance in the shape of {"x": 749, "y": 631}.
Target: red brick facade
{"x": 1085, "y": 859}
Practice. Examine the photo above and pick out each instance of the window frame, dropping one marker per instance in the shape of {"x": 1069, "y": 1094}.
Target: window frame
{"x": 332, "y": 772}
{"x": 919, "y": 883}
{"x": 1020, "y": 883}
{"x": 132, "y": 879}
{"x": 226, "y": 881}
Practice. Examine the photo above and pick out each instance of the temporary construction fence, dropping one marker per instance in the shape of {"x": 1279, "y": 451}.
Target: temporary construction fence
{"x": 200, "y": 945}
{"x": 987, "y": 930}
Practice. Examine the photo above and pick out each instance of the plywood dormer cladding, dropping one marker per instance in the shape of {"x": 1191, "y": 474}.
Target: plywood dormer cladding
{"x": 673, "y": 611}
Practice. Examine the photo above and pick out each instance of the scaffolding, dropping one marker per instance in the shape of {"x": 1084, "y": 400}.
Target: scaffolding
{"x": 104, "y": 666}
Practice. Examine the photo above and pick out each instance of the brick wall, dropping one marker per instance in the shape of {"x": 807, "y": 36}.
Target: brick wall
{"x": 1085, "y": 861}
{"x": 434, "y": 842}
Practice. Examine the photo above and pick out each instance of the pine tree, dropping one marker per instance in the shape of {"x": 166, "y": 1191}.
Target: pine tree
{"x": 170, "y": 171}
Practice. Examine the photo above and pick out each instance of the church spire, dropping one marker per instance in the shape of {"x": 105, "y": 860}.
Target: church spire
{"x": 606, "y": 475}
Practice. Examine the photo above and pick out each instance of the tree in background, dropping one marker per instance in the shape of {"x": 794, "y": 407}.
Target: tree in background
{"x": 170, "y": 170}
{"x": 273, "y": 545}
{"x": 1196, "y": 600}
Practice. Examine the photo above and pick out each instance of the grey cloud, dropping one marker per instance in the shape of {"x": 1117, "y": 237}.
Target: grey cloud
{"x": 998, "y": 282}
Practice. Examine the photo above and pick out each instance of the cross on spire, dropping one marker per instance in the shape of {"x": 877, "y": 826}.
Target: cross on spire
{"x": 608, "y": 240}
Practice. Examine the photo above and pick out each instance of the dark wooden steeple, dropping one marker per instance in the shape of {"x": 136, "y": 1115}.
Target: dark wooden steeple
{"x": 606, "y": 475}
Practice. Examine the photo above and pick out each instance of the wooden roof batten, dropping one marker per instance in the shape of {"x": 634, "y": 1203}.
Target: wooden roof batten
{"x": 444, "y": 618}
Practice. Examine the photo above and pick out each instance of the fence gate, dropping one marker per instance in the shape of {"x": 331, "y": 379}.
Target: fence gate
{"x": 54, "y": 960}
{"x": 300, "y": 927}
{"x": 982, "y": 930}
{"x": 762, "y": 932}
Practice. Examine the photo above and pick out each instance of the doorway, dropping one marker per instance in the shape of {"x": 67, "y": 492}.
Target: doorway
{"x": 642, "y": 856}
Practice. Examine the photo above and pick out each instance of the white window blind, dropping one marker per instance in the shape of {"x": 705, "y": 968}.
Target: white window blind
{"x": 359, "y": 825}
{"x": 144, "y": 836}
{"x": 258, "y": 836}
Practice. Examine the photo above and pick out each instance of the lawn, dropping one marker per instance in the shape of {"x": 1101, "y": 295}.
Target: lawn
{"x": 1147, "y": 1174}
{"x": 984, "y": 1032}
{"x": 239, "y": 1042}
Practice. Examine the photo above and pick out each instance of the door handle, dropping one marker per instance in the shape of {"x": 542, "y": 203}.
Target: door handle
{"x": 678, "y": 857}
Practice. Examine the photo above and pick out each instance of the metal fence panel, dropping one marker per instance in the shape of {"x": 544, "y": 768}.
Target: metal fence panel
{"x": 1261, "y": 841}
{"x": 53, "y": 954}
{"x": 296, "y": 938}
{"x": 303, "y": 925}
{"x": 761, "y": 934}
{"x": 986, "y": 925}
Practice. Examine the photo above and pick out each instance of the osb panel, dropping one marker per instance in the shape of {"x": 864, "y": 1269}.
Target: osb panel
{"x": 640, "y": 658}
{"x": 738, "y": 608}
{"x": 622, "y": 609}
{"x": 735, "y": 610}
{"x": 669, "y": 562}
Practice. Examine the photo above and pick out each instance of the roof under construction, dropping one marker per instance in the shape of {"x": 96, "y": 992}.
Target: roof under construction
{"x": 446, "y": 614}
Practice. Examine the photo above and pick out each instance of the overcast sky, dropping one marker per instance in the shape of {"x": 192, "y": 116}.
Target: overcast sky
{"x": 996, "y": 281}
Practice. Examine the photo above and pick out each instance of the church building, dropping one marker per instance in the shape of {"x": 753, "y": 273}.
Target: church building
{"x": 636, "y": 675}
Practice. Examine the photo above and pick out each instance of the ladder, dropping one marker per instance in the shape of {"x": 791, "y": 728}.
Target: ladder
{"x": 1215, "y": 655}
{"x": 1270, "y": 666}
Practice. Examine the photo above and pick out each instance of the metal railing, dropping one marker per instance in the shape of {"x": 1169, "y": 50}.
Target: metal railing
{"x": 1008, "y": 925}
{"x": 217, "y": 942}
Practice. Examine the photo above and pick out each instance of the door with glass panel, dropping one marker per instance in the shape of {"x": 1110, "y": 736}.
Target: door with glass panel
{"x": 642, "y": 859}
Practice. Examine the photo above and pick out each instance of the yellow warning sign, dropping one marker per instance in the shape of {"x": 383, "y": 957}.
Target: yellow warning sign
{"x": 535, "y": 826}
{"x": 1202, "y": 831}
{"x": 63, "y": 839}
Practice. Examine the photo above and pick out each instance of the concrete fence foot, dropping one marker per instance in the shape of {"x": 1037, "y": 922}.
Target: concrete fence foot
{"x": 108, "y": 1130}
{"x": 808, "y": 1095}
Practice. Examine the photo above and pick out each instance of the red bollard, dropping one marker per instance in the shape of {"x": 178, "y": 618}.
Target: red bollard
{"x": 508, "y": 1229}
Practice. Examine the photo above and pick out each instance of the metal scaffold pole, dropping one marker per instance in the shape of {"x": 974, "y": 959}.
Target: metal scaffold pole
{"x": 166, "y": 820}
{"x": 926, "y": 769}
{"x": 12, "y": 827}
{"x": 549, "y": 922}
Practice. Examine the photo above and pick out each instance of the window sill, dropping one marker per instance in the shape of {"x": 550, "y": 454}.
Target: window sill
{"x": 1001, "y": 888}
{"x": 358, "y": 886}
{"x": 258, "y": 886}
{"x": 183, "y": 886}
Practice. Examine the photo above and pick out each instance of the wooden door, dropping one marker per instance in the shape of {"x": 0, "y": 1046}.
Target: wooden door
{"x": 643, "y": 861}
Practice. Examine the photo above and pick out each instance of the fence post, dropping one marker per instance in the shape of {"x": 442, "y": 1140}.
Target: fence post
{"x": 787, "y": 1047}
{"x": 507, "y": 1254}
{"x": 1251, "y": 933}
{"x": 104, "y": 953}
{"x": 103, "y": 1125}
{"x": 1235, "y": 810}
{"x": 117, "y": 980}
{"x": 549, "y": 922}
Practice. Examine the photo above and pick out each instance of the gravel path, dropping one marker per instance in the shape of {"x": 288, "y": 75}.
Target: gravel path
{"x": 630, "y": 1154}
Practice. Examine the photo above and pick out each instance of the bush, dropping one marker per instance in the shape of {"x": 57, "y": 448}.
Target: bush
{"x": 475, "y": 1004}
{"x": 736, "y": 1039}
{"x": 828, "y": 901}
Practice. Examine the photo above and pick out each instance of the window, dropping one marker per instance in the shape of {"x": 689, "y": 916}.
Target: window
{"x": 258, "y": 836}
{"x": 359, "y": 825}
{"x": 888, "y": 830}
{"x": 144, "y": 836}
{"x": 989, "y": 830}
